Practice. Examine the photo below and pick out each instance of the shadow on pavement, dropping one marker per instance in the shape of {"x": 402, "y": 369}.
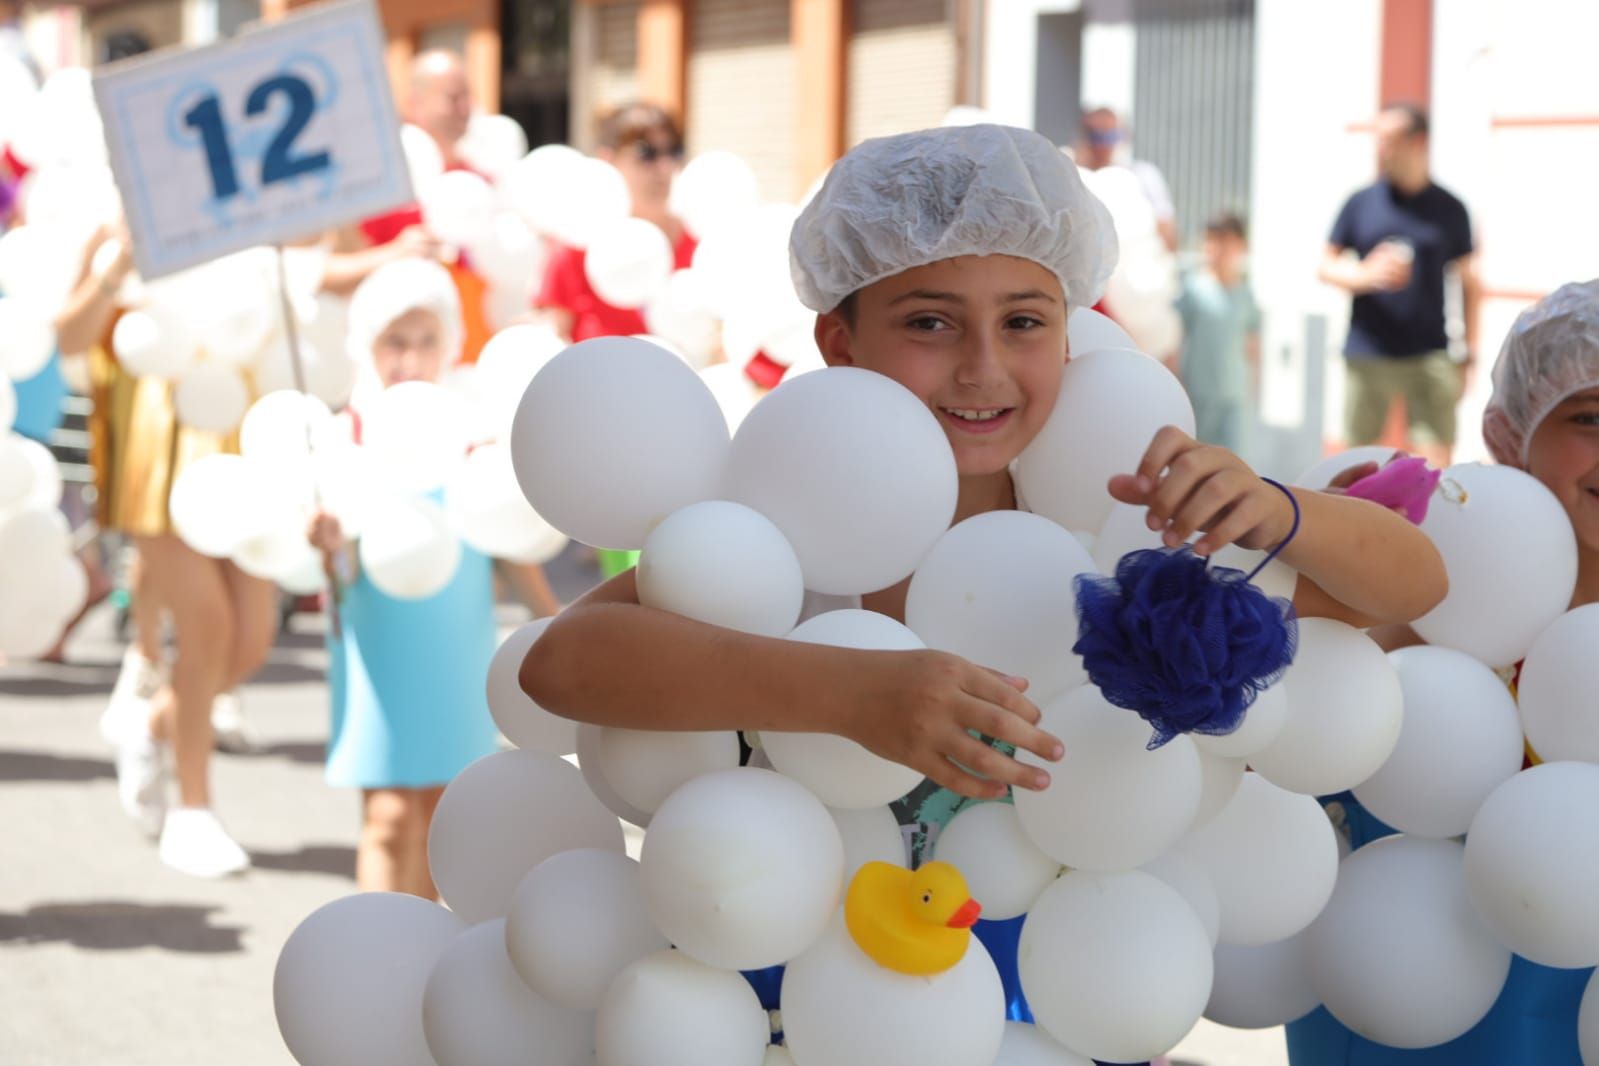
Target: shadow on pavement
{"x": 313, "y": 752}
{"x": 111, "y": 925}
{"x": 335, "y": 859}
{"x": 46, "y": 766}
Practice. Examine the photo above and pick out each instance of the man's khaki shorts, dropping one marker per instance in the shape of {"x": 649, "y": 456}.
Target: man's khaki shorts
{"x": 1429, "y": 383}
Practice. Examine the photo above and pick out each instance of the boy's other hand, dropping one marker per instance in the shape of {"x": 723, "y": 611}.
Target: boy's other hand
{"x": 917, "y": 707}
{"x": 325, "y": 533}
{"x": 1191, "y": 487}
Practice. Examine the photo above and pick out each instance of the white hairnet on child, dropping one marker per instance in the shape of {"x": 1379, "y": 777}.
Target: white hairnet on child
{"x": 900, "y": 202}
{"x": 396, "y": 288}
{"x": 1552, "y": 352}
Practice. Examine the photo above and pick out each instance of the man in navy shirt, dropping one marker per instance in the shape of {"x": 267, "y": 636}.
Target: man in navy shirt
{"x": 1408, "y": 235}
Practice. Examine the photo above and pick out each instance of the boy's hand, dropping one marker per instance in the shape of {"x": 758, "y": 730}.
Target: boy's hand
{"x": 1191, "y": 487}
{"x": 916, "y": 708}
{"x": 325, "y": 533}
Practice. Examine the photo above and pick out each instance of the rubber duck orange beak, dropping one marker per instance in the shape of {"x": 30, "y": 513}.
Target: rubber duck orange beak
{"x": 966, "y": 916}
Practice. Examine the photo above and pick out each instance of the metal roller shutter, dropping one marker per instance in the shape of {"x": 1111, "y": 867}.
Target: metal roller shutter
{"x": 902, "y": 66}
{"x": 742, "y": 86}
{"x": 615, "y": 71}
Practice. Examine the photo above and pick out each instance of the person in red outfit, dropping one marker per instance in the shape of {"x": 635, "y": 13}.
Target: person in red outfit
{"x": 644, "y": 142}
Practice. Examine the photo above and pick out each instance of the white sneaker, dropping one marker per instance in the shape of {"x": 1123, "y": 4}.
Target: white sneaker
{"x": 127, "y": 714}
{"x": 142, "y": 781}
{"x": 193, "y": 842}
{"x": 227, "y": 723}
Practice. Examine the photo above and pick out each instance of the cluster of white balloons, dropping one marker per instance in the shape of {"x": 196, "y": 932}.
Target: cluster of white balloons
{"x": 1199, "y": 879}
{"x": 43, "y": 585}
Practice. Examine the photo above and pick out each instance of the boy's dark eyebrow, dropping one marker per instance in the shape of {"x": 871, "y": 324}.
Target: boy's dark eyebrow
{"x": 956, "y": 298}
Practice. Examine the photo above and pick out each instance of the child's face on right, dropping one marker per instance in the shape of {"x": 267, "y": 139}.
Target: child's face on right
{"x": 981, "y": 340}
{"x": 1564, "y": 455}
{"x": 410, "y": 349}
{"x": 1224, "y": 252}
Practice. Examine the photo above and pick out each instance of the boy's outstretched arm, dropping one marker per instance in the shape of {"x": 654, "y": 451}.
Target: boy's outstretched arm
{"x": 1358, "y": 562}
{"x": 608, "y": 660}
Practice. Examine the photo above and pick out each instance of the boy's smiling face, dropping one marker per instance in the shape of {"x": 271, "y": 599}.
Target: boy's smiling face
{"x": 980, "y": 339}
{"x": 1564, "y": 455}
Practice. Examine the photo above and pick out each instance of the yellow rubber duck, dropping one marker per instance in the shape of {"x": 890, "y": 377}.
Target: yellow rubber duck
{"x": 913, "y": 922}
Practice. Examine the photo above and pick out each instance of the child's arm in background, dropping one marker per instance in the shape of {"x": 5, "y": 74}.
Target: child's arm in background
{"x": 608, "y": 660}
{"x": 1358, "y": 562}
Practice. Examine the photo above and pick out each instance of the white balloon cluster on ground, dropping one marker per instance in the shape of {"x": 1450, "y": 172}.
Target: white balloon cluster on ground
{"x": 1158, "y": 885}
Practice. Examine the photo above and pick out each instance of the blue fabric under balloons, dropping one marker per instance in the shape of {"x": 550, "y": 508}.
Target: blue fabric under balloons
{"x": 1533, "y": 1023}
{"x": 1186, "y": 645}
{"x": 1001, "y": 940}
{"x": 39, "y": 400}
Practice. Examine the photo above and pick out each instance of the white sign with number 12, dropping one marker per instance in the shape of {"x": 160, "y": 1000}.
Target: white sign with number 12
{"x": 274, "y": 135}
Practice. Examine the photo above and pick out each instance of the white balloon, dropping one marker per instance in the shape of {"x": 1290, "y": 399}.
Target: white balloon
{"x": 577, "y": 921}
{"x": 231, "y": 309}
{"x": 1555, "y": 696}
{"x": 1588, "y": 1023}
{"x": 1512, "y": 561}
{"x": 837, "y": 769}
{"x": 1115, "y": 966}
{"x": 209, "y": 504}
{"x": 727, "y": 890}
{"x": 38, "y": 268}
{"x": 408, "y": 549}
{"x": 458, "y": 207}
{"x": 1263, "y": 721}
{"x": 281, "y": 426}
{"x": 1460, "y": 740}
{"x": 154, "y": 342}
{"x": 1183, "y": 872}
{"x": 280, "y": 554}
{"x": 628, "y": 262}
{"x": 991, "y": 591}
{"x": 27, "y": 338}
{"x": 1345, "y": 712}
{"x": 349, "y": 482}
{"x": 1398, "y": 955}
{"x": 854, "y": 470}
{"x": 493, "y": 143}
{"x": 1272, "y": 857}
{"x": 777, "y": 1055}
{"x": 32, "y": 536}
{"x": 510, "y": 256}
{"x": 744, "y": 258}
{"x": 566, "y": 195}
{"x": 1321, "y": 475}
{"x": 477, "y": 1012}
{"x": 483, "y": 841}
{"x": 1087, "y": 330}
{"x": 487, "y": 510}
{"x": 1004, "y": 870}
{"x": 840, "y": 1008}
{"x": 667, "y": 1009}
{"x": 681, "y": 313}
{"x": 525, "y": 723}
{"x": 1532, "y": 864}
{"x": 644, "y": 767}
{"x": 423, "y": 159}
{"x": 45, "y": 492}
{"x": 211, "y": 397}
{"x": 871, "y": 834}
{"x": 1261, "y": 987}
{"x": 588, "y": 763}
{"x": 723, "y": 564}
{"x": 1111, "y": 405}
{"x": 1219, "y": 778}
{"x": 8, "y": 403}
{"x": 713, "y": 187}
{"x": 1028, "y": 1045}
{"x": 1111, "y": 804}
{"x": 418, "y": 432}
{"x": 350, "y": 979}
{"x": 64, "y": 588}
{"x": 613, "y": 435}
{"x": 504, "y": 368}
{"x": 16, "y": 474}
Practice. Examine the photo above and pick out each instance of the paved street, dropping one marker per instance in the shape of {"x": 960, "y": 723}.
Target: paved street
{"x": 109, "y": 959}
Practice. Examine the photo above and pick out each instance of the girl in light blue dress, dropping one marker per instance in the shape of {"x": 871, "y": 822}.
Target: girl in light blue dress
{"x": 406, "y": 675}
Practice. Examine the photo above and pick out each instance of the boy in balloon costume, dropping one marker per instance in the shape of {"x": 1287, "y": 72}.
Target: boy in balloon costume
{"x": 1543, "y": 418}
{"x": 948, "y": 260}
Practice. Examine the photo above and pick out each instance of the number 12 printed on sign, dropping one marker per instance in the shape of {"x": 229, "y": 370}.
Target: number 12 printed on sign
{"x": 272, "y": 136}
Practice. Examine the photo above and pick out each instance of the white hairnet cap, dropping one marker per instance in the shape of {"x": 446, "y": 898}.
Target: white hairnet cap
{"x": 1552, "y": 352}
{"x": 900, "y": 202}
{"x": 395, "y": 289}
